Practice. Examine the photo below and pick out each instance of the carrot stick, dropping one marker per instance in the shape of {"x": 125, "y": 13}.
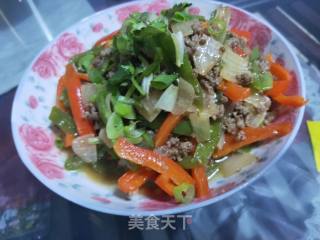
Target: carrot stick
{"x": 166, "y": 128}
{"x": 61, "y": 86}
{"x": 201, "y": 181}
{"x": 241, "y": 33}
{"x": 165, "y": 184}
{"x": 234, "y": 91}
{"x": 106, "y": 39}
{"x": 293, "y": 101}
{"x": 279, "y": 72}
{"x": 278, "y": 87}
{"x": 253, "y": 135}
{"x": 68, "y": 138}
{"x": 73, "y": 85}
{"x": 131, "y": 181}
{"x": 153, "y": 160}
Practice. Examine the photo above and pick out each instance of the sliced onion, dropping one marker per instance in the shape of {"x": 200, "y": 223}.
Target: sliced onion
{"x": 179, "y": 47}
{"x": 233, "y": 65}
{"x": 185, "y": 97}
{"x": 184, "y": 27}
{"x": 260, "y": 102}
{"x": 147, "y": 107}
{"x": 82, "y": 147}
{"x": 236, "y": 162}
{"x": 87, "y": 90}
{"x": 168, "y": 99}
{"x": 200, "y": 124}
{"x": 207, "y": 55}
{"x": 146, "y": 82}
{"x": 210, "y": 106}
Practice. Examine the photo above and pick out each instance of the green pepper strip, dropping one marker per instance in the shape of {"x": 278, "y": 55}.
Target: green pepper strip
{"x": 187, "y": 74}
{"x": 204, "y": 150}
{"x": 63, "y": 120}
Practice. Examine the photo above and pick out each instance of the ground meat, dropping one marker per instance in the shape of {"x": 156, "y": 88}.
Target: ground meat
{"x": 244, "y": 79}
{"x": 191, "y": 42}
{"x": 235, "y": 118}
{"x": 175, "y": 148}
{"x": 212, "y": 79}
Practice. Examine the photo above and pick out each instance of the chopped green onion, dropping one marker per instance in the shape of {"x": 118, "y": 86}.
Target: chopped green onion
{"x": 114, "y": 126}
{"x": 163, "y": 81}
{"x": 124, "y": 110}
{"x": 148, "y": 140}
{"x": 184, "y": 193}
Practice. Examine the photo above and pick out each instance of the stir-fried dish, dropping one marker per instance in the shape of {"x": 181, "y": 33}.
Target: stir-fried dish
{"x": 170, "y": 99}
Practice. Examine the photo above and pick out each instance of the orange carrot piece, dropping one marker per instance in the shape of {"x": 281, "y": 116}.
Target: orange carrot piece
{"x": 281, "y": 85}
{"x": 201, "y": 181}
{"x": 61, "y": 86}
{"x": 234, "y": 91}
{"x": 166, "y": 128}
{"x": 131, "y": 181}
{"x": 73, "y": 85}
{"x": 253, "y": 135}
{"x": 278, "y": 87}
{"x": 293, "y": 101}
{"x": 279, "y": 72}
{"x": 153, "y": 160}
{"x": 68, "y": 138}
{"x": 241, "y": 33}
{"x": 165, "y": 184}
{"x": 106, "y": 39}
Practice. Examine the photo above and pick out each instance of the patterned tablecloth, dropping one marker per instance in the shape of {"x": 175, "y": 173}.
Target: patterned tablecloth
{"x": 283, "y": 204}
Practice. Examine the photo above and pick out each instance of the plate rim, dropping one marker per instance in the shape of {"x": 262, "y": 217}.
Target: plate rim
{"x": 180, "y": 208}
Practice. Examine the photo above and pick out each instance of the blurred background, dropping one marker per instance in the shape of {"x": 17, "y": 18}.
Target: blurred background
{"x": 283, "y": 204}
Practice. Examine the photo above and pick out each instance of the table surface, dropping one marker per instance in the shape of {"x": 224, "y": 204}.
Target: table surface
{"x": 283, "y": 204}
